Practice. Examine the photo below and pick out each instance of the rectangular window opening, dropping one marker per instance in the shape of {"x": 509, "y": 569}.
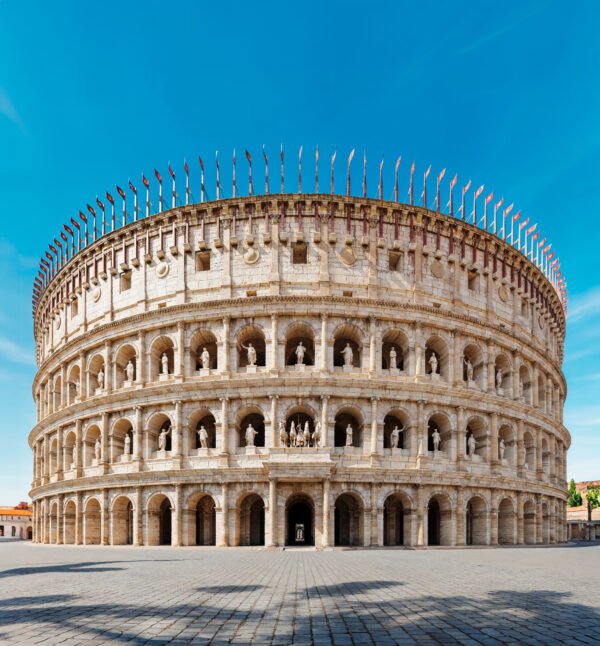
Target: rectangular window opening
{"x": 125, "y": 281}
{"x": 202, "y": 260}
{"x": 473, "y": 281}
{"x": 299, "y": 253}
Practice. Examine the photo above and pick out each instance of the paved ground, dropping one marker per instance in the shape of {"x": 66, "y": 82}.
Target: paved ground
{"x": 91, "y": 595}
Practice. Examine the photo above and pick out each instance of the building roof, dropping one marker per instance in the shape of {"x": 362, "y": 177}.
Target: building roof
{"x": 13, "y": 511}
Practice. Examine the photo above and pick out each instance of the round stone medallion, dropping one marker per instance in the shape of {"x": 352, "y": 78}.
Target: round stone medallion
{"x": 96, "y": 293}
{"x": 437, "y": 269}
{"x": 162, "y": 269}
{"x": 251, "y": 256}
{"x": 503, "y": 293}
{"x": 348, "y": 256}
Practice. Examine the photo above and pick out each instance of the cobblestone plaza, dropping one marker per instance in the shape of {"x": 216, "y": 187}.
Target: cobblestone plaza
{"x": 73, "y": 595}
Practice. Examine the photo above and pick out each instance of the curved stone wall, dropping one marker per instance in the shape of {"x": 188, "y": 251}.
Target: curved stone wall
{"x": 441, "y": 425}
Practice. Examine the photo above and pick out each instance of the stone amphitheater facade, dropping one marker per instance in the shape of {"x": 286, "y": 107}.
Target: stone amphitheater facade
{"x": 118, "y": 458}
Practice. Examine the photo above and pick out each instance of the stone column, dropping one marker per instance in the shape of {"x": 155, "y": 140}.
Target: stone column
{"x": 457, "y": 359}
{"x": 491, "y": 369}
{"x": 460, "y": 516}
{"x": 421, "y": 432}
{"x": 224, "y": 363}
{"x": 177, "y": 515}
{"x": 493, "y": 516}
{"x": 376, "y": 539}
{"x": 78, "y": 518}
{"x": 78, "y": 445}
{"x": 421, "y": 515}
{"x": 104, "y": 518}
{"x": 419, "y": 351}
{"x": 223, "y": 530}
{"x": 138, "y": 437}
{"x": 272, "y": 542}
{"x": 108, "y": 369}
{"x": 83, "y": 377}
{"x": 494, "y": 440}
{"x": 138, "y": 519}
{"x": 372, "y": 345}
{"x": 140, "y": 366}
{"x": 516, "y": 377}
{"x": 178, "y": 368}
{"x": 60, "y": 525}
{"x": 520, "y": 519}
{"x": 374, "y": 425}
{"x": 274, "y": 353}
{"x": 460, "y": 437}
{"x": 274, "y": 440}
{"x": 539, "y": 457}
{"x": 328, "y": 440}
{"x": 178, "y": 430}
{"x": 520, "y": 448}
{"x": 104, "y": 439}
{"x": 323, "y": 342}
{"x": 539, "y": 515}
{"x": 326, "y": 513}
{"x": 59, "y": 454}
{"x": 224, "y": 425}
{"x": 535, "y": 399}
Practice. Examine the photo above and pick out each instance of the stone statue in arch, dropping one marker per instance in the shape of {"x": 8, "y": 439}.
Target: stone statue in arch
{"x": 205, "y": 359}
{"x": 316, "y": 436}
{"x": 127, "y": 447}
{"x": 348, "y": 355}
{"x": 395, "y": 436}
{"x": 349, "y": 435}
{"x": 129, "y": 370}
{"x": 499, "y": 378}
{"x": 250, "y": 354}
{"x": 203, "y": 437}
{"x": 283, "y": 438}
{"x": 472, "y": 444}
{"x": 501, "y": 449}
{"x": 437, "y": 438}
{"x": 433, "y": 363}
{"x": 300, "y": 350}
{"x": 100, "y": 378}
{"x": 393, "y": 359}
{"x": 292, "y": 434}
{"x": 469, "y": 366}
{"x": 306, "y": 434}
{"x": 251, "y": 434}
{"x": 162, "y": 438}
{"x": 164, "y": 363}
{"x": 98, "y": 449}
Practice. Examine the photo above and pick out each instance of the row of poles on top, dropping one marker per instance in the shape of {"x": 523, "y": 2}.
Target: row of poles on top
{"x": 88, "y": 227}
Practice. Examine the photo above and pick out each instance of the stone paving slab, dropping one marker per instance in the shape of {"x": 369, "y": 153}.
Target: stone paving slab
{"x": 89, "y": 595}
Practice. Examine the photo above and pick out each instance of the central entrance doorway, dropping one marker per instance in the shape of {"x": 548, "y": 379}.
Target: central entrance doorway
{"x": 299, "y": 522}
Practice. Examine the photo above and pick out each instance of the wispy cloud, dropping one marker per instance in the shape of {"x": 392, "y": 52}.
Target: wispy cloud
{"x": 585, "y": 304}
{"x": 8, "y": 109}
{"x": 14, "y": 353}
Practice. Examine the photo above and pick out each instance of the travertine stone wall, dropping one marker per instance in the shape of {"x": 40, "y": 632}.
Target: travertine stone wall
{"x": 274, "y": 270}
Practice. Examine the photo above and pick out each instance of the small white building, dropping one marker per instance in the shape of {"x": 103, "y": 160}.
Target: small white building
{"x": 15, "y": 522}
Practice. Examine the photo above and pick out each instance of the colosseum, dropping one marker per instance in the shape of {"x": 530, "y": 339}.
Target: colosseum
{"x": 297, "y": 369}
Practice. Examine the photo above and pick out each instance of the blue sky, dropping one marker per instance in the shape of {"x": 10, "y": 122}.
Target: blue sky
{"x": 92, "y": 94}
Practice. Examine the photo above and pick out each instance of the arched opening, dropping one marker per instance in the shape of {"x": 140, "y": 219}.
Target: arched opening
{"x": 29, "y": 533}
{"x": 53, "y": 523}
{"x": 394, "y": 350}
{"x": 203, "y": 351}
{"x": 473, "y": 369}
{"x": 69, "y": 451}
{"x": 439, "y": 520}
{"x": 251, "y": 428}
{"x": 394, "y": 526}
{"x": 204, "y": 513}
{"x": 502, "y": 374}
{"x": 476, "y": 522}
{"x": 349, "y": 521}
{"x": 347, "y": 347}
{"x": 92, "y": 442}
{"x": 545, "y": 524}
{"x": 202, "y": 430}
{"x": 476, "y": 439}
{"x": 395, "y": 427}
{"x": 92, "y": 522}
{"x": 507, "y": 451}
{"x": 74, "y": 385}
{"x": 162, "y": 358}
{"x": 506, "y": 522}
{"x": 252, "y": 520}
{"x": 251, "y": 347}
{"x": 159, "y": 514}
{"x": 53, "y": 455}
{"x": 524, "y": 385}
{"x": 96, "y": 374}
{"x": 299, "y": 427}
{"x": 545, "y": 457}
{"x": 57, "y": 396}
{"x": 348, "y": 428}
{"x": 436, "y": 356}
{"x": 122, "y": 521}
{"x": 439, "y": 433}
{"x": 159, "y": 435}
{"x": 529, "y": 522}
{"x": 125, "y": 366}
{"x": 69, "y": 520}
{"x": 529, "y": 444}
{"x": 121, "y": 441}
{"x": 300, "y": 345}
{"x": 300, "y": 521}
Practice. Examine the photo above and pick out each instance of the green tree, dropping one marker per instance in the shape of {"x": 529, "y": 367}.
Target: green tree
{"x": 574, "y": 496}
{"x": 593, "y": 500}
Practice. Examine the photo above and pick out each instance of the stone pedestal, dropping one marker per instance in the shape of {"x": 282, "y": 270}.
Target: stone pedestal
{"x": 203, "y": 453}
{"x": 126, "y": 457}
{"x": 251, "y": 450}
{"x": 203, "y": 372}
{"x": 95, "y": 462}
{"x": 500, "y": 392}
{"x": 347, "y": 368}
{"x": 251, "y": 370}
{"x": 299, "y": 367}
{"x": 161, "y": 455}
{"x": 435, "y": 376}
{"x": 164, "y": 377}
{"x": 472, "y": 384}
{"x": 394, "y": 372}
{"x": 128, "y": 384}
{"x": 98, "y": 391}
